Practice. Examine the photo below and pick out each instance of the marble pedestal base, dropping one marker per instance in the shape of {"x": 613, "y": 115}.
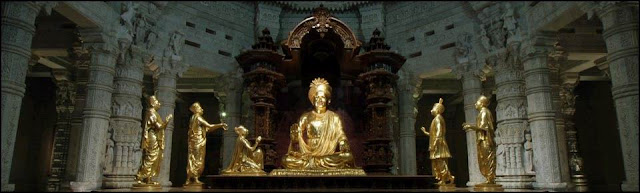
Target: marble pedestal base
{"x": 516, "y": 182}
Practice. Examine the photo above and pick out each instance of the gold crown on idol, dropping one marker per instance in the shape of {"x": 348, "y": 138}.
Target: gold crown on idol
{"x": 317, "y": 85}
{"x": 439, "y": 106}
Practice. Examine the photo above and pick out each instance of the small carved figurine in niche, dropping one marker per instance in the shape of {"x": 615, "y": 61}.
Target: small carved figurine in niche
{"x": 246, "y": 159}
{"x": 152, "y": 145}
{"x": 438, "y": 148}
{"x": 500, "y": 155}
{"x": 198, "y": 129}
{"x": 486, "y": 146}
{"x": 528, "y": 151}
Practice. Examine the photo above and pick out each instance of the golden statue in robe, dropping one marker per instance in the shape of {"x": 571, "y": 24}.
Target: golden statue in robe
{"x": 318, "y": 144}
{"x": 247, "y": 159}
{"x": 198, "y": 128}
{"x": 152, "y": 145}
{"x": 486, "y": 146}
{"x": 438, "y": 148}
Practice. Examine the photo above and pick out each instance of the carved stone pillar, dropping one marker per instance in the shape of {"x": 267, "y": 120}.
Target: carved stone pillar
{"x": 378, "y": 82}
{"x": 229, "y": 96}
{"x": 408, "y": 94}
{"x": 97, "y": 111}
{"x": 567, "y": 106}
{"x": 555, "y": 61}
{"x": 500, "y": 35}
{"x": 262, "y": 79}
{"x": 541, "y": 113}
{"x": 511, "y": 119}
{"x": 470, "y": 71}
{"x": 65, "y": 103}
{"x": 123, "y": 151}
{"x": 17, "y": 32}
{"x": 81, "y": 59}
{"x": 620, "y": 23}
{"x": 166, "y": 94}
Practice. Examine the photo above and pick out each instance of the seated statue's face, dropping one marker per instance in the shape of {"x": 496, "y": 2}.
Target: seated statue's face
{"x": 320, "y": 100}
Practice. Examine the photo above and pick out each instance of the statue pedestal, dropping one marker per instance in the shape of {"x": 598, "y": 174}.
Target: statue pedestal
{"x": 259, "y": 173}
{"x": 321, "y": 183}
{"x": 146, "y": 186}
{"x": 488, "y": 188}
{"x": 327, "y": 172}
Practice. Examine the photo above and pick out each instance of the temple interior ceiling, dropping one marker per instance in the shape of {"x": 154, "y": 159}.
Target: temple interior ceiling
{"x": 581, "y": 39}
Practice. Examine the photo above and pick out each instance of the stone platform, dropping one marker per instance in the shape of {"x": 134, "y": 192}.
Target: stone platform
{"x": 378, "y": 182}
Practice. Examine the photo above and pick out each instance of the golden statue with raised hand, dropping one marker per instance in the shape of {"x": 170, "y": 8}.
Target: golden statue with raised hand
{"x": 438, "y": 148}
{"x": 247, "y": 159}
{"x": 486, "y": 146}
{"x": 198, "y": 129}
{"x": 152, "y": 145}
{"x": 318, "y": 145}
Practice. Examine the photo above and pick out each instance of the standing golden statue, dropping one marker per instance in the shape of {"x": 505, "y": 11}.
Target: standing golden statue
{"x": 198, "y": 129}
{"x": 318, "y": 145}
{"x": 486, "y": 146}
{"x": 438, "y": 148}
{"x": 247, "y": 159}
{"x": 152, "y": 145}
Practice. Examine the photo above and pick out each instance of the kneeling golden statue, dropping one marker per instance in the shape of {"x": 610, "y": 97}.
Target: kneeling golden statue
{"x": 247, "y": 159}
{"x": 318, "y": 145}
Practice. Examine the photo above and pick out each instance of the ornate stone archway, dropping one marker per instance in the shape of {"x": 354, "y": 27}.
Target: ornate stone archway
{"x": 322, "y": 22}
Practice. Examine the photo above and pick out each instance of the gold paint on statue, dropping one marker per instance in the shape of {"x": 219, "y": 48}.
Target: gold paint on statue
{"x": 152, "y": 146}
{"x": 438, "y": 148}
{"x": 318, "y": 144}
{"x": 247, "y": 159}
{"x": 486, "y": 146}
{"x": 198, "y": 129}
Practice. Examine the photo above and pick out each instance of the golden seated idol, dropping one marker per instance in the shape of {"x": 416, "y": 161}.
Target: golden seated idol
{"x": 319, "y": 146}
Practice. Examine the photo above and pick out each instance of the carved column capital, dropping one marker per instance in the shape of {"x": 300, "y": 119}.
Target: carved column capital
{"x": 97, "y": 40}
{"x": 409, "y": 84}
{"x": 46, "y": 6}
{"x": 539, "y": 44}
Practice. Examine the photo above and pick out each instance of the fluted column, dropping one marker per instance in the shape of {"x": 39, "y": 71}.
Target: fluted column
{"x": 620, "y": 23}
{"x": 97, "y": 111}
{"x": 511, "y": 119}
{"x": 123, "y": 152}
{"x": 408, "y": 94}
{"x": 65, "y": 102}
{"x": 541, "y": 113}
{"x": 471, "y": 90}
{"x": 555, "y": 62}
{"x": 166, "y": 94}
{"x": 81, "y": 59}
{"x": 17, "y": 31}
{"x": 232, "y": 107}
